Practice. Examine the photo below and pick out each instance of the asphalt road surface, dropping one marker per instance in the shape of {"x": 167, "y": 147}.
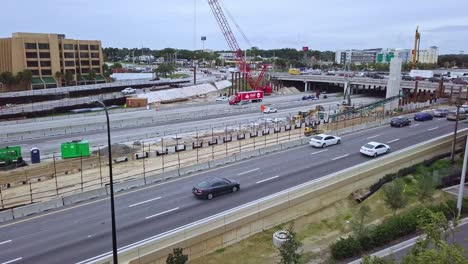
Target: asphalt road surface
{"x": 52, "y": 144}
{"x": 80, "y": 232}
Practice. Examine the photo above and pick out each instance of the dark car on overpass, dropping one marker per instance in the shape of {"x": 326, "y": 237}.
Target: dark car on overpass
{"x": 400, "y": 122}
{"x": 211, "y": 187}
{"x": 422, "y": 116}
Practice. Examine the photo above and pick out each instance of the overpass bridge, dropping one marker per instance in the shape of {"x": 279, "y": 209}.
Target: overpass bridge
{"x": 417, "y": 90}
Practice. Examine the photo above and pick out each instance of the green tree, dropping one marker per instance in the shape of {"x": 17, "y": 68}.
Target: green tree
{"x": 376, "y": 260}
{"x": 358, "y": 223}
{"x": 165, "y": 69}
{"x": 92, "y": 75}
{"x": 58, "y": 77}
{"x": 177, "y": 257}
{"x": 434, "y": 248}
{"x": 106, "y": 70}
{"x": 69, "y": 76}
{"x": 288, "y": 250}
{"x": 426, "y": 185}
{"x": 117, "y": 65}
{"x": 394, "y": 196}
{"x": 7, "y": 78}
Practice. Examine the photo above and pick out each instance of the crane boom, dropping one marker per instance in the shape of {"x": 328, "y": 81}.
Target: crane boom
{"x": 234, "y": 46}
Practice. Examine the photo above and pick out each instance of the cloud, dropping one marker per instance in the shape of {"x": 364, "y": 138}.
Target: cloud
{"x": 448, "y": 29}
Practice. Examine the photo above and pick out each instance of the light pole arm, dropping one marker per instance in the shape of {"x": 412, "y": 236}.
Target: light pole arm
{"x": 111, "y": 186}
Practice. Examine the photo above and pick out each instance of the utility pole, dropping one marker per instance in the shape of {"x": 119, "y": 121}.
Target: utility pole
{"x": 462, "y": 179}
{"x": 452, "y": 156}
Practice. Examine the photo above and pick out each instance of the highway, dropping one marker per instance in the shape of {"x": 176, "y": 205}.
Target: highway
{"x": 154, "y": 132}
{"x": 76, "y": 233}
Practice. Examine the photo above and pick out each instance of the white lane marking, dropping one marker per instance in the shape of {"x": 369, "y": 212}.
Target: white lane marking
{"x": 13, "y": 260}
{"x": 373, "y": 136}
{"x": 414, "y": 125}
{"x": 165, "y": 212}
{"x": 391, "y": 141}
{"x": 249, "y": 171}
{"x": 438, "y": 119}
{"x": 4, "y": 242}
{"x": 274, "y": 177}
{"x": 147, "y": 201}
{"x": 340, "y": 157}
{"x": 434, "y": 128}
{"x": 317, "y": 152}
{"x": 90, "y": 236}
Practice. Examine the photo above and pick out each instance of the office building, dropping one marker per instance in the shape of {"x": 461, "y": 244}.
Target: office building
{"x": 49, "y": 55}
{"x": 356, "y": 57}
{"x": 430, "y": 55}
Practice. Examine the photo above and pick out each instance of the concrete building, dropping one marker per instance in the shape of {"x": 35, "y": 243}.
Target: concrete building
{"x": 356, "y": 57}
{"x": 428, "y": 55}
{"x": 46, "y": 54}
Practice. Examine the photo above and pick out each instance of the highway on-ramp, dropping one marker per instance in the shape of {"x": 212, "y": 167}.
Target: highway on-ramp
{"x": 76, "y": 233}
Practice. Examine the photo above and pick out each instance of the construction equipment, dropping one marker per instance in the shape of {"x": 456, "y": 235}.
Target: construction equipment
{"x": 311, "y": 130}
{"x": 302, "y": 115}
{"x": 232, "y": 42}
{"x": 347, "y": 110}
{"x": 11, "y": 157}
{"x": 417, "y": 41}
{"x": 294, "y": 71}
{"x": 75, "y": 149}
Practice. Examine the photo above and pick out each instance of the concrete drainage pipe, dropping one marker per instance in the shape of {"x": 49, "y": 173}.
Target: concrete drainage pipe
{"x": 279, "y": 237}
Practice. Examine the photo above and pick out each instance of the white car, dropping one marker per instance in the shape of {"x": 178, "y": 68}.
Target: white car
{"x": 269, "y": 110}
{"x": 128, "y": 90}
{"x": 222, "y": 99}
{"x": 374, "y": 149}
{"x": 322, "y": 140}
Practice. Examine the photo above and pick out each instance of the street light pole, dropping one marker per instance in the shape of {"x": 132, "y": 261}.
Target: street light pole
{"x": 462, "y": 180}
{"x": 452, "y": 156}
{"x": 114, "y": 231}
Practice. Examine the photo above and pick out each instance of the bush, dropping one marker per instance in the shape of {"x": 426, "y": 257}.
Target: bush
{"x": 345, "y": 248}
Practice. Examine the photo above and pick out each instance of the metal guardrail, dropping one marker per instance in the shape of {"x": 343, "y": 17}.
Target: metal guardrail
{"x": 290, "y": 196}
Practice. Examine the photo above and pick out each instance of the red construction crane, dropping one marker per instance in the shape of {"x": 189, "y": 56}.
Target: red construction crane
{"x": 232, "y": 42}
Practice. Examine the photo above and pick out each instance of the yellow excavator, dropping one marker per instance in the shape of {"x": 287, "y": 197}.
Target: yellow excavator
{"x": 309, "y": 131}
{"x": 302, "y": 115}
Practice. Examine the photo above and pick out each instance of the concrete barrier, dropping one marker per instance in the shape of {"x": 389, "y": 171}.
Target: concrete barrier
{"x": 247, "y": 154}
{"x": 126, "y": 185}
{"x": 84, "y": 196}
{"x": 6, "y": 215}
{"x": 194, "y": 168}
{"x": 269, "y": 149}
{"x": 291, "y": 144}
{"x": 223, "y": 229}
{"x": 169, "y": 174}
{"x": 221, "y": 161}
{"x": 26, "y": 210}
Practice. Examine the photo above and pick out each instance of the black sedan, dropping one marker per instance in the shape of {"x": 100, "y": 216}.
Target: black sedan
{"x": 211, "y": 187}
{"x": 400, "y": 122}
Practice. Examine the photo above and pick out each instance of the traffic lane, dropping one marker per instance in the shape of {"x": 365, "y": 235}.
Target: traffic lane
{"x": 121, "y": 134}
{"x": 118, "y": 117}
{"x": 256, "y": 170}
{"x": 97, "y": 138}
{"x": 292, "y": 181}
{"x": 247, "y": 166}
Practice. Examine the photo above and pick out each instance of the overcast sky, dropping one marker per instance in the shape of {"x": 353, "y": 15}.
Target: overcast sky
{"x": 322, "y": 25}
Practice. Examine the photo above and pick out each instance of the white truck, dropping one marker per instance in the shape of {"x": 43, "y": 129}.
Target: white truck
{"x": 426, "y": 74}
